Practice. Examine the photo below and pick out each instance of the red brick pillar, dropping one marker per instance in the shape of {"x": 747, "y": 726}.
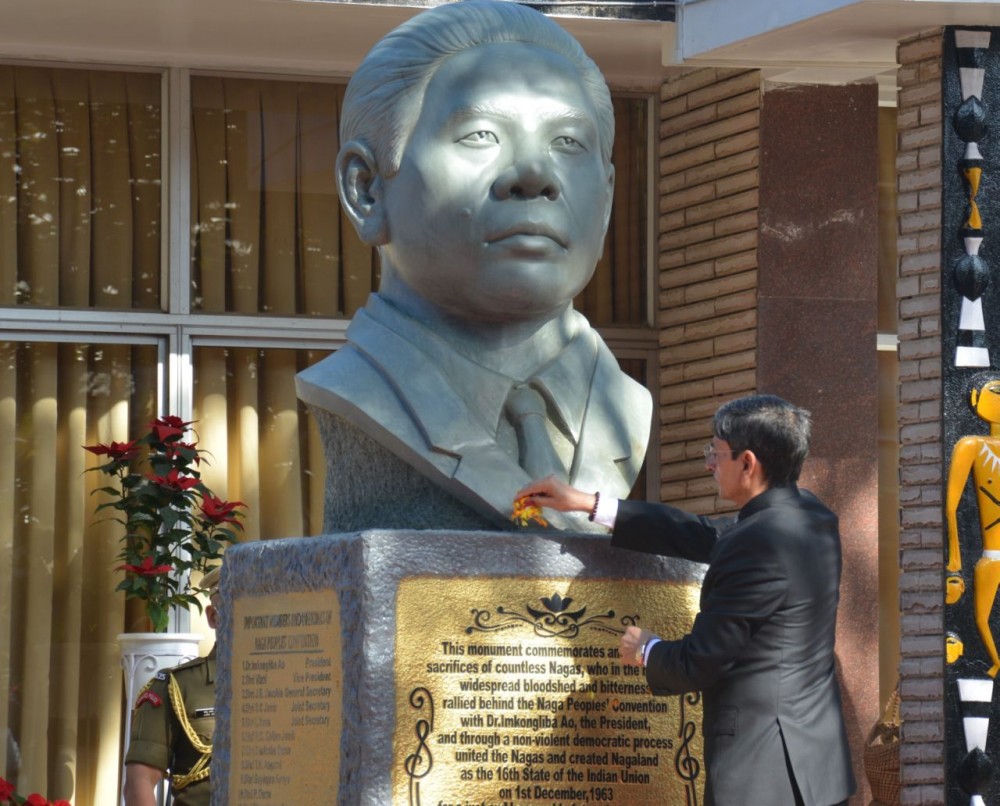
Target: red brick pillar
{"x": 918, "y": 165}
{"x": 816, "y": 310}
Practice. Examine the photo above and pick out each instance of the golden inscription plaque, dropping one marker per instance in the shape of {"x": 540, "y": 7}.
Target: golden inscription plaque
{"x": 287, "y": 683}
{"x": 512, "y": 691}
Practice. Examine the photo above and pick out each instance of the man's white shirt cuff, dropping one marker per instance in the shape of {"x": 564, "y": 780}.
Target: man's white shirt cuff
{"x": 607, "y": 511}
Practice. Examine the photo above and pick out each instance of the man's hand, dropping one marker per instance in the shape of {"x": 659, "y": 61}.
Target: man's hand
{"x": 556, "y": 494}
{"x": 630, "y": 644}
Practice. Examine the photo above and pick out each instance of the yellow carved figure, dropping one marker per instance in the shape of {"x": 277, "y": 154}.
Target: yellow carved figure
{"x": 979, "y": 456}
{"x": 954, "y": 587}
{"x": 953, "y": 647}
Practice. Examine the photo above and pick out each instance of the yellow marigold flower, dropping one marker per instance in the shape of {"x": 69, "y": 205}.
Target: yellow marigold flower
{"x": 524, "y": 513}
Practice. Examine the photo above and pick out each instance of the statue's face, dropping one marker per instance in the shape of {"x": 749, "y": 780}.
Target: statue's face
{"x": 954, "y": 587}
{"x": 953, "y": 647}
{"x": 987, "y": 405}
{"x": 500, "y": 206}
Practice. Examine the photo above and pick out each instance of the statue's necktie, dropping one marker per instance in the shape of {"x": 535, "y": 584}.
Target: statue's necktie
{"x": 526, "y": 410}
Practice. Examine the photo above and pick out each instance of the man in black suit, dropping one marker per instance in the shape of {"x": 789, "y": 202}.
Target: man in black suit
{"x": 761, "y": 649}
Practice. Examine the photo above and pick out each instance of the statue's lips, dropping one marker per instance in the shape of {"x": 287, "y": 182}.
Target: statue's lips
{"x": 528, "y": 234}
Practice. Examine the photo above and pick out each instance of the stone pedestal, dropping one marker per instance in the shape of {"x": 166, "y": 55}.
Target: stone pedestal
{"x": 412, "y": 667}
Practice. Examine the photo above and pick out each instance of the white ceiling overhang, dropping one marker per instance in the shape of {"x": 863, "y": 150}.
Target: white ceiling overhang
{"x": 814, "y": 41}
{"x": 328, "y": 38}
{"x": 801, "y": 41}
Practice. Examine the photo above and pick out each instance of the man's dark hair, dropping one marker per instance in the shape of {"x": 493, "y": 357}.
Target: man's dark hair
{"x": 776, "y": 431}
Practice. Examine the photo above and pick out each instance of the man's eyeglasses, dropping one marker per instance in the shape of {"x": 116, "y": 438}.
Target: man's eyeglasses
{"x": 712, "y": 455}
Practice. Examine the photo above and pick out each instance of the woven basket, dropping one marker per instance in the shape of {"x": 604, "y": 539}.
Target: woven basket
{"x": 881, "y": 754}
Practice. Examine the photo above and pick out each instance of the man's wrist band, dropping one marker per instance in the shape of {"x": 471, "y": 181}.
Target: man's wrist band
{"x": 593, "y": 511}
{"x": 640, "y": 654}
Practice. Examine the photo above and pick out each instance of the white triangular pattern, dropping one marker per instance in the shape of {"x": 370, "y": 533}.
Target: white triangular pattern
{"x": 972, "y": 357}
{"x": 990, "y": 457}
{"x": 972, "y": 245}
{"x": 971, "y": 79}
{"x": 976, "y": 728}
{"x": 971, "y": 317}
{"x": 972, "y": 39}
{"x": 975, "y": 689}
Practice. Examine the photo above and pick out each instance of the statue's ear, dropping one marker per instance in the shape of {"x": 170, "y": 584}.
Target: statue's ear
{"x": 360, "y": 186}
{"x": 609, "y": 189}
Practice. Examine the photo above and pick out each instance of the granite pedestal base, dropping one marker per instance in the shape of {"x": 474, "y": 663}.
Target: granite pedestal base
{"x": 406, "y": 667}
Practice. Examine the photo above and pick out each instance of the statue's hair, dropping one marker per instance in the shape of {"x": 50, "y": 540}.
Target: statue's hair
{"x": 384, "y": 97}
{"x": 975, "y": 385}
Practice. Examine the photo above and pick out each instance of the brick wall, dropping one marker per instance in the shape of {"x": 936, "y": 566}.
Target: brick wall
{"x": 707, "y": 261}
{"x": 921, "y": 527}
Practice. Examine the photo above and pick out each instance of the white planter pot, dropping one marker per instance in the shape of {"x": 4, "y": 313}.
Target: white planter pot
{"x": 142, "y": 655}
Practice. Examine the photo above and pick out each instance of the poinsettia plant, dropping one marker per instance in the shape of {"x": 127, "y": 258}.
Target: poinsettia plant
{"x": 173, "y": 522}
{"x": 8, "y": 795}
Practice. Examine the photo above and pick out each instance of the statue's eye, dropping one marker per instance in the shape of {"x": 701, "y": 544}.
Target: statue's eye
{"x": 481, "y": 138}
{"x": 566, "y": 143}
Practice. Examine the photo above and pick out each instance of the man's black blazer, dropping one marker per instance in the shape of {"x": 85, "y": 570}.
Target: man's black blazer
{"x": 761, "y": 649}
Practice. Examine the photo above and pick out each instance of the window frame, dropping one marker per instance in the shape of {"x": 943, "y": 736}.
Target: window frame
{"x": 178, "y": 330}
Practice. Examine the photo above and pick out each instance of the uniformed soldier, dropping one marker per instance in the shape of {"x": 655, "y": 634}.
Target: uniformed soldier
{"x": 172, "y": 727}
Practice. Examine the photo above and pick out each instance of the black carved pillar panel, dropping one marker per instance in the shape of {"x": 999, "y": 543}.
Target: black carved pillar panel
{"x": 970, "y": 329}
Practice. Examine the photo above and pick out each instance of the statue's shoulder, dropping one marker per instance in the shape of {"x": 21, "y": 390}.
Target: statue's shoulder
{"x": 622, "y": 412}
{"x": 620, "y": 389}
{"x": 355, "y": 389}
{"x": 345, "y": 375}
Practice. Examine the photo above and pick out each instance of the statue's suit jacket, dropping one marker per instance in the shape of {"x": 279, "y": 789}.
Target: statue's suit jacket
{"x": 761, "y": 649}
{"x": 410, "y": 391}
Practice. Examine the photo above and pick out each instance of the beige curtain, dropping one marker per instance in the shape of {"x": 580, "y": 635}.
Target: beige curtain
{"x": 60, "y": 675}
{"x": 265, "y": 448}
{"x": 79, "y": 188}
{"x": 79, "y": 227}
{"x": 268, "y": 235}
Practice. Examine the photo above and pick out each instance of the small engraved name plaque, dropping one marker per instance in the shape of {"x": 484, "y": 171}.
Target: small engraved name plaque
{"x": 287, "y": 688}
{"x": 512, "y": 691}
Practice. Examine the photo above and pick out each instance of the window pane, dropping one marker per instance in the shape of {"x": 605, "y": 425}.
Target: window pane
{"x": 268, "y": 234}
{"x": 79, "y": 188}
{"x": 267, "y": 229}
{"x": 60, "y": 674}
{"x": 265, "y": 448}
{"x": 617, "y": 294}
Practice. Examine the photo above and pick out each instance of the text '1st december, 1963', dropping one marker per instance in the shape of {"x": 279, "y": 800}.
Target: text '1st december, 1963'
{"x": 515, "y": 693}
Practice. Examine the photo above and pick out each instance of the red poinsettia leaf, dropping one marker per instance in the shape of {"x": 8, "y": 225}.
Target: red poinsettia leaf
{"x": 174, "y": 480}
{"x": 218, "y": 511}
{"x": 118, "y": 451}
{"x": 147, "y": 569}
